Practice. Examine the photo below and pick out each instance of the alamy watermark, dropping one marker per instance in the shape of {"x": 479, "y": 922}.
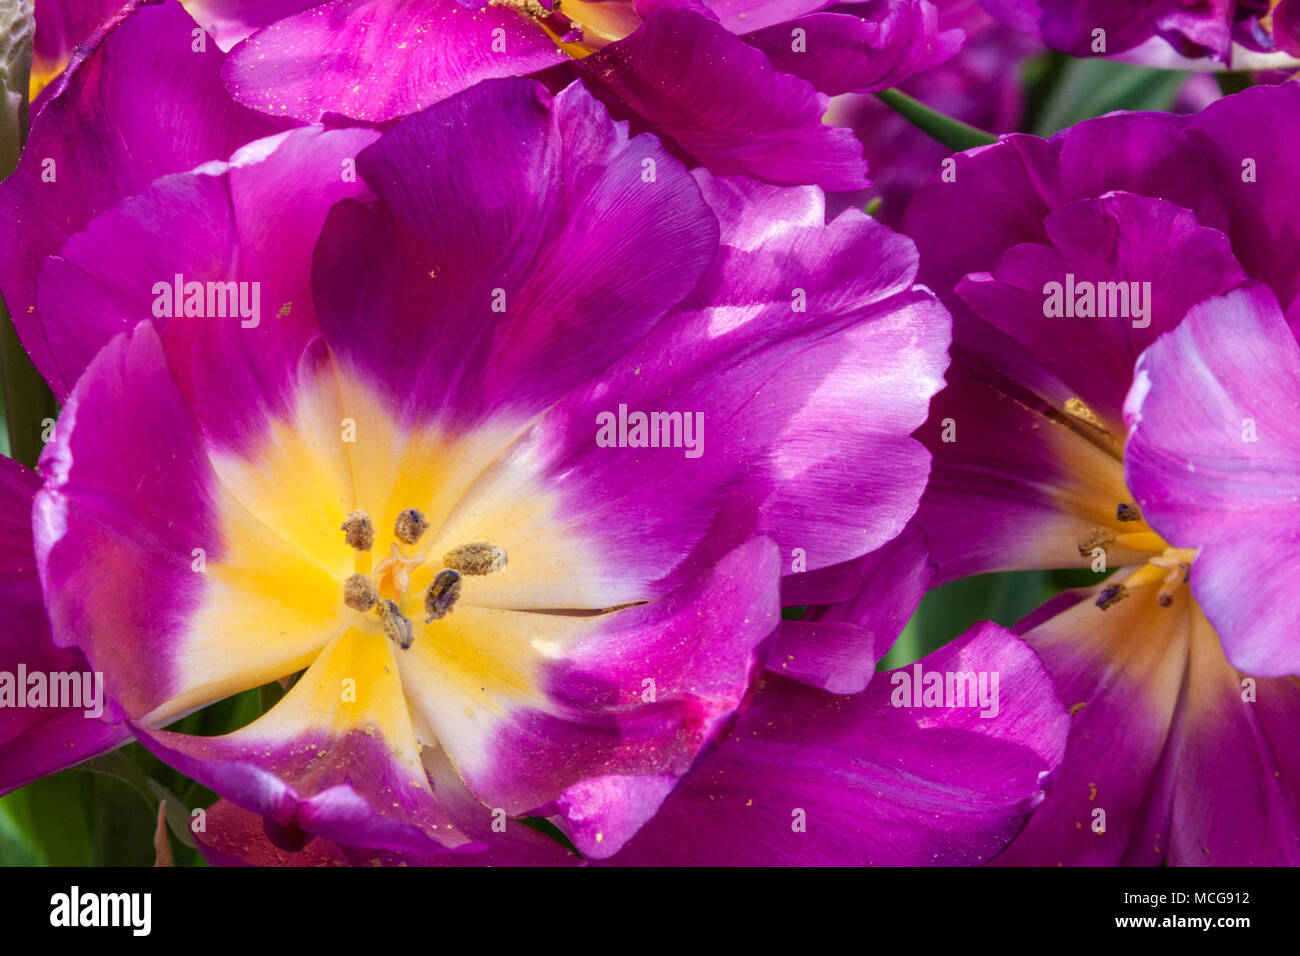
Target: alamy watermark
{"x": 208, "y": 300}
{"x": 75, "y": 908}
{"x": 651, "y": 430}
{"x": 1098, "y": 300}
{"x": 921, "y": 688}
{"x": 71, "y": 690}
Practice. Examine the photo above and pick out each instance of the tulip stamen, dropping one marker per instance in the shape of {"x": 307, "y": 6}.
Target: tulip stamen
{"x": 1111, "y": 595}
{"x": 1096, "y": 538}
{"x": 385, "y": 588}
{"x": 442, "y": 595}
{"x": 1170, "y": 568}
{"x": 360, "y": 593}
{"x": 396, "y": 624}
{"x": 358, "y": 531}
{"x": 476, "y": 558}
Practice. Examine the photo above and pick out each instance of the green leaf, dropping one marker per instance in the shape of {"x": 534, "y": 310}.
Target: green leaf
{"x": 47, "y": 822}
{"x": 116, "y": 764}
{"x": 268, "y": 695}
{"x": 952, "y": 133}
{"x": 222, "y": 716}
{"x": 1230, "y": 83}
{"x": 178, "y": 814}
{"x": 120, "y": 767}
{"x": 27, "y": 399}
{"x": 949, "y": 610}
{"x": 122, "y": 825}
{"x": 1093, "y": 87}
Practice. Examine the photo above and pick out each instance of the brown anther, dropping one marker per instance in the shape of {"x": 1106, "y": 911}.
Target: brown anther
{"x": 411, "y": 526}
{"x": 359, "y": 592}
{"x": 1164, "y": 599}
{"x": 442, "y": 595}
{"x": 1127, "y": 512}
{"x": 396, "y": 624}
{"x": 358, "y": 531}
{"x": 1096, "y": 538}
{"x": 1111, "y": 596}
{"x": 475, "y": 559}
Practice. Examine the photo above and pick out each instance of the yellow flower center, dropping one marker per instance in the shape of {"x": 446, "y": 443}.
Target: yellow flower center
{"x": 288, "y": 580}
{"x": 602, "y": 22}
{"x": 1166, "y": 566}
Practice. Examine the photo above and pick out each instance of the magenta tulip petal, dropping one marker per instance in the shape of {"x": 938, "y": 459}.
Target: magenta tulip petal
{"x": 325, "y": 762}
{"x": 724, "y": 103}
{"x": 229, "y": 21}
{"x": 1213, "y": 459}
{"x": 1117, "y": 272}
{"x": 1246, "y": 138}
{"x": 1159, "y": 719}
{"x": 836, "y": 648}
{"x": 626, "y": 717}
{"x": 210, "y": 229}
{"x": 96, "y": 119}
{"x": 492, "y": 254}
{"x": 812, "y": 778}
{"x": 746, "y": 16}
{"x": 50, "y": 702}
{"x": 377, "y": 60}
{"x": 844, "y": 53}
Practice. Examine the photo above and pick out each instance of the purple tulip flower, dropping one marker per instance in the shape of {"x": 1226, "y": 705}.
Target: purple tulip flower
{"x": 739, "y": 86}
{"x": 372, "y": 413}
{"x": 1063, "y": 262}
{"x": 1223, "y": 34}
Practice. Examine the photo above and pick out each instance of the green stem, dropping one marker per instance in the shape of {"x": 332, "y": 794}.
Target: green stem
{"x": 952, "y": 133}
{"x": 28, "y": 401}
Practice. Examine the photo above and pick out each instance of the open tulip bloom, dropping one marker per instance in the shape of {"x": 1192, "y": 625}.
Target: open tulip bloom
{"x": 1123, "y": 398}
{"x": 491, "y": 435}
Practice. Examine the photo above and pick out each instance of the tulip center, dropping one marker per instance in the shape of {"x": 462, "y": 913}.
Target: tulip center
{"x": 1166, "y": 566}
{"x": 384, "y": 587}
{"x": 1126, "y": 538}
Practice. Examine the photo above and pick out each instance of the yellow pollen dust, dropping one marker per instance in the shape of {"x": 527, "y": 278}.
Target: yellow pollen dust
{"x": 531, "y": 7}
{"x": 1077, "y": 408}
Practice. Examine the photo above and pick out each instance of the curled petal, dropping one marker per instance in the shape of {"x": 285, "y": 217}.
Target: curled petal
{"x": 40, "y": 731}
{"x": 1213, "y": 459}
{"x": 337, "y": 757}
{"x": 811, "y": 778}
{"x": 845, "y": 53}
{"x": 97, "y": 119}
{"x": 724, "y": 103}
